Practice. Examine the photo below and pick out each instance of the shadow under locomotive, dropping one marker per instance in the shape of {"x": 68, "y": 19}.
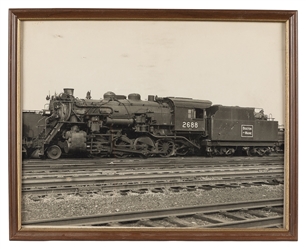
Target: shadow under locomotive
{"x": 121, "y": 127}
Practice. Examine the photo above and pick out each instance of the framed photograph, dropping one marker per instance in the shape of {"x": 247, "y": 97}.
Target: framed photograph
{"x": 136, "y": 124}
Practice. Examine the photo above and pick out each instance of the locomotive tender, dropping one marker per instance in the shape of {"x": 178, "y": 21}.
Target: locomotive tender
{"x": 169, "y": 126}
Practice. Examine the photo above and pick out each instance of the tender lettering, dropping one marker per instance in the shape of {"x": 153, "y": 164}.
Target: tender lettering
{"x": 246, "y": 130}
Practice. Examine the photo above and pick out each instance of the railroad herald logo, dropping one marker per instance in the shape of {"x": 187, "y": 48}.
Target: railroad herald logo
{"x": 246, "y": 130}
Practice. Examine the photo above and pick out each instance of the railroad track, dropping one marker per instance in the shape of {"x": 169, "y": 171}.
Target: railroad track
{"x": 200, "y": 170}
{"x": 151, "y": 180}
{"x": 141, "y": 167}
{"x": 111, "y": 164}
{"x": 107, "y": 175}
{"x": 247, "y": 214}
{"x": 115, "y": 169}
{"x": 140, "y": 178}
{"x": 156, "y": 186}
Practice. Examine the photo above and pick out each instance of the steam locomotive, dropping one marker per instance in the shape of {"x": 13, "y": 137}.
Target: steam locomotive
{"x": 123, "y": 126}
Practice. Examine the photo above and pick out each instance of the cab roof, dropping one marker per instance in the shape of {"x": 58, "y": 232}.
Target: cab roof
{"x": 190, "y": 103}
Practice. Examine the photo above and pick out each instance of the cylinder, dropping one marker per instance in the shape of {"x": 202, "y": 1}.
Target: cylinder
{"x": 77, "y": 142}
{"x": 69, "y": 91}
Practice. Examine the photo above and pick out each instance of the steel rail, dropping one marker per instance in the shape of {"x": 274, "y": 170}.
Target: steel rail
{"x": 141, "y": 162}
{"x": 250, "y": 223}
{"x": 153, "y": 214}
{"x": 142, "y": 170}
{"x": 124, "y": 167}
{"x": 132, "y": 178}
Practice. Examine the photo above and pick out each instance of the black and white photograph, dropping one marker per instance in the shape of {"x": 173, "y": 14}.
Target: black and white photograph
{"x": 153, "y": 125}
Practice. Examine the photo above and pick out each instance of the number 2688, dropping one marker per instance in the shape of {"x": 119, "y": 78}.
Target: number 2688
{"x": 191, "y": 125}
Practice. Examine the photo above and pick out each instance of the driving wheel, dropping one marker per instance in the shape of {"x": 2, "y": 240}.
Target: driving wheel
{"x": 165, "y": 147}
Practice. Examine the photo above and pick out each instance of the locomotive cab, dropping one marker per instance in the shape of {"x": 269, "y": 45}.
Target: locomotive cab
{"x": 190, "y": 115}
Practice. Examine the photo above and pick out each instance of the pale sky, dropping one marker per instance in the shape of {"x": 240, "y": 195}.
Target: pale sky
{"x": 228, "y": 63}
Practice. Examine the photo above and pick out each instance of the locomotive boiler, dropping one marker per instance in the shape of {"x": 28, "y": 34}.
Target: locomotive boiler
{"x": 123, "y": 126}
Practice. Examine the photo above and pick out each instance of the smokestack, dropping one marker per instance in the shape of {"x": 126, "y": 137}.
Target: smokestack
{"x": 69, "y": 91}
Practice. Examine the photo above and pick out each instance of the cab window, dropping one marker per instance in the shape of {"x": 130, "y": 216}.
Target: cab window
{"x": 195, "y": 113}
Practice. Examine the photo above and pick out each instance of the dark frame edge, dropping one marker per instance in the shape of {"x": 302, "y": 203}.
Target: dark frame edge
{"x": 293, "y": 126}
{"x": 17, "y": 233}
{"x": 12, "y": 126}
{"x": 156, "y": 14}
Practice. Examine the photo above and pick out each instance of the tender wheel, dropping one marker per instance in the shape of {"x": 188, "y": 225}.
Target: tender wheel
{"x": 264, "y": 151}
{"x": 252, "y": 152}
{"x": 165, "y": 148}
{"x": 54, "y": 152}
{"x": 260, "y": 152}
{"x": 268, "y": 151}
{"x": 229, "y": 151}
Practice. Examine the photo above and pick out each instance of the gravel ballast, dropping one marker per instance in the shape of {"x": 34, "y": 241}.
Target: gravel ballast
{"x": 70, "y": 205}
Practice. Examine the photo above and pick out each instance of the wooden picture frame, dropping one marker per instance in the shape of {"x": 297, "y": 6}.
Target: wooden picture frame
{"x": 288, "y": 17}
